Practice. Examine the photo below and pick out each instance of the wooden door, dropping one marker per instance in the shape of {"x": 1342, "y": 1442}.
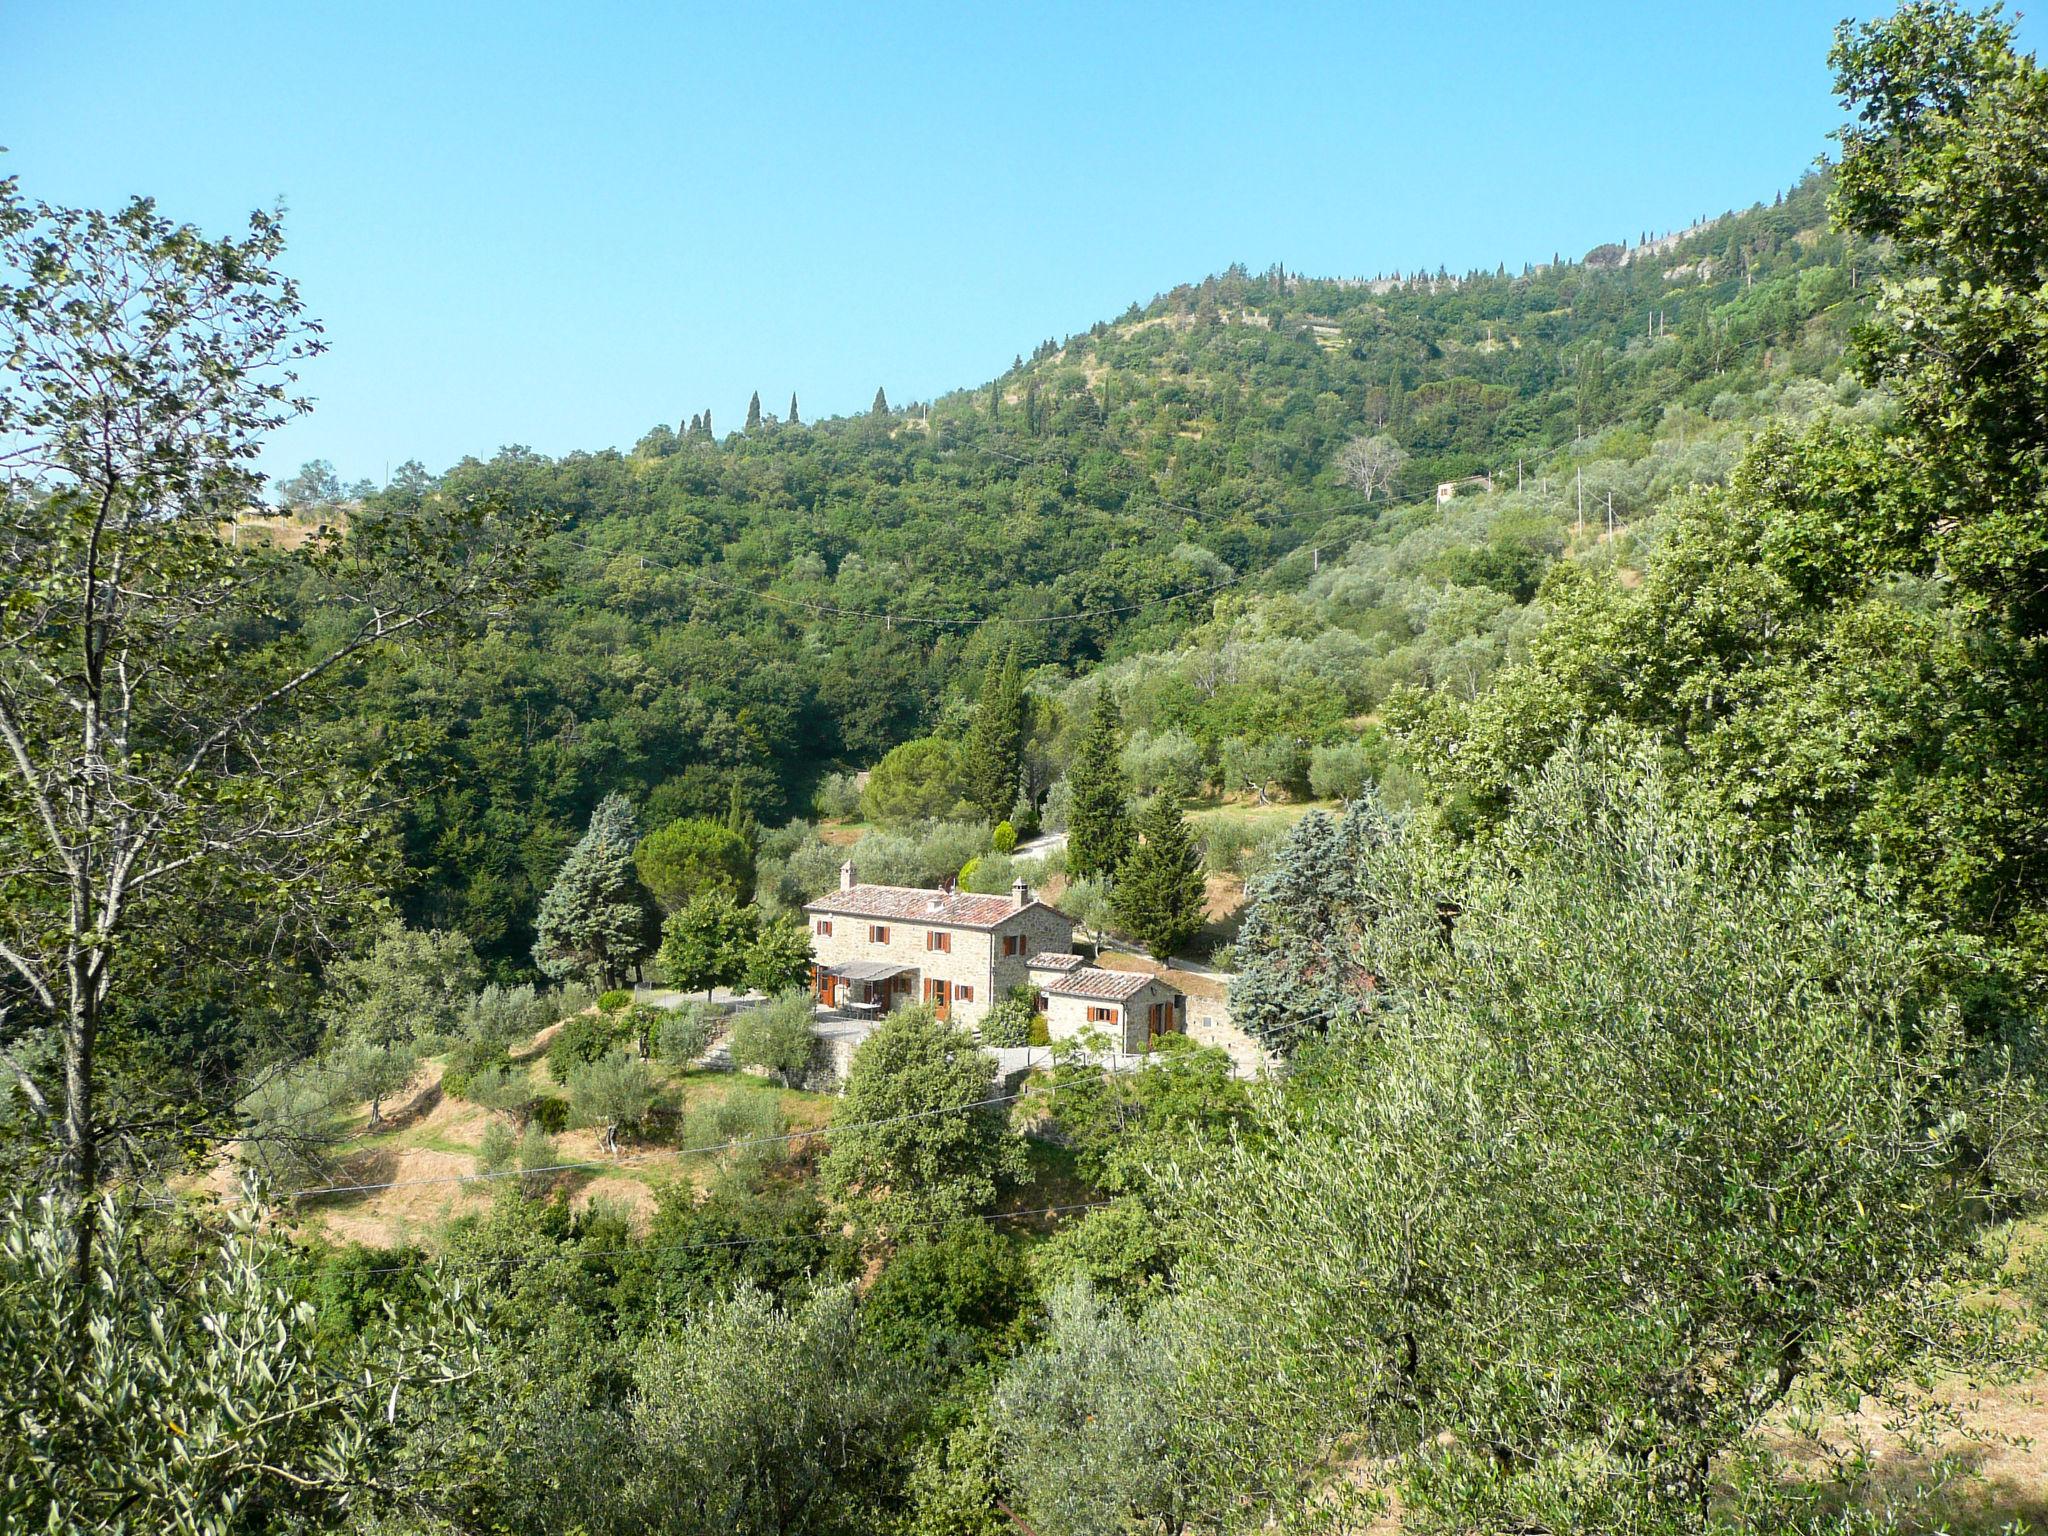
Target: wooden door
{"x": 828, "y": 988}
{"x": 935, "y": 993}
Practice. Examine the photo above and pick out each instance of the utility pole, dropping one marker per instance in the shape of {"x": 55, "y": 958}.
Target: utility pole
{"x": 1610, "y": 514}
{"x": 1582, "y": 501}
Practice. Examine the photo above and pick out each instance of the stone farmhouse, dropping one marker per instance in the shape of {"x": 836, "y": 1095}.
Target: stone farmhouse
{"x": 880, "y": 947}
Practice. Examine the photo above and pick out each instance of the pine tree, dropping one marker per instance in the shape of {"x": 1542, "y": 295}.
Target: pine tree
{"x": 792, "y": 409}
{"x": 754, "y": 412}
{"x": 594, "y": 920}
{"x": 1098, "y": 825}
{"x": 1160, "y": 895}
{"x": 995, "y": 739}
{"x": 881, "y": 405}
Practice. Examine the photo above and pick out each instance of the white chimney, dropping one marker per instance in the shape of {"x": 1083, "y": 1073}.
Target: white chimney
{"x": 1020, "y": 891}
{"x": 846, "y": 880}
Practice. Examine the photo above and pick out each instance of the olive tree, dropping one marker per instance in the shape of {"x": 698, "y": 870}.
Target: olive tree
{"x": 1639, "y": 1136}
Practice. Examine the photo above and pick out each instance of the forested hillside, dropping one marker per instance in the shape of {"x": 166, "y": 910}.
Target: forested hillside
{"x": 716, "y": 624}
{"x": 1648, "y": 1135}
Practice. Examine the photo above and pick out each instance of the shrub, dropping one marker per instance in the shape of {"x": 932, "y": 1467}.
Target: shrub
{"x": 537, "y": 1152}
{"x": 684, "y": 1035}
{"x": 1008, "y": 1024}
{"x": 585, "y": 1037}
{"x": 1041, "y": 1030}
{"x": 499, "y": 1146}
{"x": 958, "y": 1297}
{"x": 614, "y": 1000}
{"x": 571, "y": 997}
{"x": 1003, "y": 837}
{"x": 549, "y": 1115}
{"x": 750, "y": 1117}
{"x": 1169, "y": 763}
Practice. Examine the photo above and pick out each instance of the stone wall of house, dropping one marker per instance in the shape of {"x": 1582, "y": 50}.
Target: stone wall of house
{"x": 968, "y": 962}
{"x": 1066, "y": 1016}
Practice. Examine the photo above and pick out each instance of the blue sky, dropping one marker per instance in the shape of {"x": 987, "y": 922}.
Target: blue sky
{"x": 558, "y": 224}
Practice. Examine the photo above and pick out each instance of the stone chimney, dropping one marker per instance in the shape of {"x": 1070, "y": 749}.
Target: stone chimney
{"x": 846, "y": 877}
{"x": 1020, "y": 891}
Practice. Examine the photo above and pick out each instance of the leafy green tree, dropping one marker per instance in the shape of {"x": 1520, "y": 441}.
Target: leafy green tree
{"x": 409, "y": 985}
{"x": 1098, "y": 818}
{"x": 1940, "y": 158}
{"x": 706, "y": 945}
{"x": 693, "y": 854}
{"x": 169, "y": 801}
{"x": 615, "y": 1090}
{"x": 756, "y": 1420}
{"x": 921, "y": 1143}
{"x": 1731, "y": 1087}
{"x": 1085, "y": 1428}
{"x": 781, "y": 1037}
{"x": 1160, "y": 897}
{"x": 594, "y": 920}
{"x": 779, "y": 960}
{"x": 505, "y": 1089}
{"x": 881, "y": 405}
{"x": 991, "y": 754}
{"x": 754, "y": 412}
{"x": 917, "y": 781}
{"x": 954, "y": 1298}
{"x": 582, "y": 1039}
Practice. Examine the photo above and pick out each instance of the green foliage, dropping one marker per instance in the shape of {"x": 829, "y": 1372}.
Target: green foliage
{"x": 780, "y": 958}
{"x": 1084, "y": 1425}
{"x": 1008, "y": 1024}
{"x": 1341, "y": 770}
{"x": 707, "y": 944}
{"x": 1728, "y": 1086}
{"x": 1126, "y": 1127}
{"x": 755, "y": 1420}
{"x": 684, "y": 1035}
{"x": 780, "y": 1037}
{"x": 583, "y": 1038}
{"x": 918, "y": 781}
{"x": 408, "y": 986}
{"x": 955, "y": 1298}
{"x": 614, "y": 1001}
{"x": 948, "y": 1162}
{"x": 613, "y": 1091}
{"x": 1159, "y": 897}
{"x": 1002, "y": 837}
{"x": 991, "y": 754}
{"x": 497, "y": 1148}
{"x": 1098, "y": 822}
{"x": 507, "y": 1089}
{"x": 594, "y": 920}
{"x": 695, "y": 854}
{"x": 1168, "y": 763}
{"x": 201, "y": 1406}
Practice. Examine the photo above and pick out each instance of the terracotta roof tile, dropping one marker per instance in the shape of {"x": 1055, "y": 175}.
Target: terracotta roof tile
{"x": 913, "y": 904}
{"x": 1091, "y": 981}
{"x": 1052, "y": 962}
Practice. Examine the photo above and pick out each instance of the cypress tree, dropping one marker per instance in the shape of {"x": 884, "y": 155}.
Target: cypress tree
{"x": 792, "y": 408}
{"x": 1098, "y": 824}
{"x": 707, "y": 423}
{"x": 594, "y": 921}
{"x": 754, "y": 412}
{"x": 995, "y": 739}
{"x": 696, "y": 425}
{"x": 881, "y": 405}
{"x": 1160, "y": 895}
